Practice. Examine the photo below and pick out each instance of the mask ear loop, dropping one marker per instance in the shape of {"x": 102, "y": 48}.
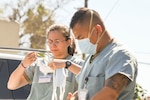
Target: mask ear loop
{"x": 91, "y": 19}
{"x": 89, "y": 35}
{"x": 100, "y": 37}
{"x": 54, "y": 95}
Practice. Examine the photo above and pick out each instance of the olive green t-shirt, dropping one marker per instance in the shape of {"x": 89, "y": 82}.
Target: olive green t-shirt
{"x": 44, "y": 90}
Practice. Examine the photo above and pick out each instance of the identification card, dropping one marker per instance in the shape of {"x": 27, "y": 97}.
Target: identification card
{"x": 82, "y": 94}
{"x": 45, "y": 78}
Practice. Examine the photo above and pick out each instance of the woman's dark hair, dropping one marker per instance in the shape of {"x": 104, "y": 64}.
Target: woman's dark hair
{"x": 66, "y": 33}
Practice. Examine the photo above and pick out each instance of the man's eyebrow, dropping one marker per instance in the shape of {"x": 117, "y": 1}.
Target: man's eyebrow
{"x": 57, "y": 39}
{"x": 77, "y": 37}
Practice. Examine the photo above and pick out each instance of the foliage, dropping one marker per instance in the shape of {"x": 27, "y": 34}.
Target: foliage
{"x": 37, "y": 24}
{"x": 1, "y": 10}
{"x": 33, "y": 20}
{"x": 140, "y": 93}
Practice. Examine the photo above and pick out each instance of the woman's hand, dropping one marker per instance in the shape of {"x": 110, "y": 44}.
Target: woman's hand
{"x": 29, "y": 59}
{"x": 57, "y": 63}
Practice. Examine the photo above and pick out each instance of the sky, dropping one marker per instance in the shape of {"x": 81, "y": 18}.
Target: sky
{"x": 126, "y": 20}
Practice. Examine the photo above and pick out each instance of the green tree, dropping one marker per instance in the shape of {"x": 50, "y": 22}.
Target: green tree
{"x": 33, "y": 20}
{"x": 36, "y": 25}
{"x": 1, "y": 10}
{"x": 140, "y": 93}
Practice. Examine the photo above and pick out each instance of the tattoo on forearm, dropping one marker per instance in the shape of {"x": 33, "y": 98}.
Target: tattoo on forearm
{"x": 117, "y": 82}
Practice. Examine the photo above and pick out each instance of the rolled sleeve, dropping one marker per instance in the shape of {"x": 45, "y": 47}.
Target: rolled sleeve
{"x": 121, "y": 63}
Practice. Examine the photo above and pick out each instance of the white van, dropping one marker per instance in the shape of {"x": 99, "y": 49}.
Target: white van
{"x": 8, "y": 63}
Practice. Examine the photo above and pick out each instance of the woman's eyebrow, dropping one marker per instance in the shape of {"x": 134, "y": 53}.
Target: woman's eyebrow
{"x": 53, "y": 40}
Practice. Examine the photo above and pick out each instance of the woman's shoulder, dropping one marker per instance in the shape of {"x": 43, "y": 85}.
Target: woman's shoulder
{"x": 77, "y": 60}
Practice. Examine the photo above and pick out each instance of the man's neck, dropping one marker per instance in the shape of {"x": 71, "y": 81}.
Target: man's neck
{"x": 106, "y": 40}
{"x": 101, "y": 46}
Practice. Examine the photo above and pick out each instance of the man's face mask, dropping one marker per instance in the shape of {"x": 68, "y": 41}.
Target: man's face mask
{"x": 85, "y": 45}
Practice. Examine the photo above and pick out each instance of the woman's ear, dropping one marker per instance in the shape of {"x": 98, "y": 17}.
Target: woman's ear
{"x": 99, "y": 28}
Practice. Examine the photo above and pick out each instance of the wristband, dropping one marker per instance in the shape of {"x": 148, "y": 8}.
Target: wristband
{"x": 23, "y": 65}
{"x": 68, "y": 64}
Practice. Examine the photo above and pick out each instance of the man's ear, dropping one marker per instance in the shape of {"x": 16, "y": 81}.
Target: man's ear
{"x": 69, "y": 41}
{"x": 99, "y": 28}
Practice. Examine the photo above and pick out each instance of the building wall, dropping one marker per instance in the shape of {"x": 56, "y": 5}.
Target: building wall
{"x": 9, "y": 35}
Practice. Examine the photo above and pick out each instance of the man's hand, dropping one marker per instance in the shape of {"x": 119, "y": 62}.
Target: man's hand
{"x": 72, "y": 96}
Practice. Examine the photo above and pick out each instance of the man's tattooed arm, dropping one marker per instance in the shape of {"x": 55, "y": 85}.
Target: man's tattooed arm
{"x": 117, "y": 82}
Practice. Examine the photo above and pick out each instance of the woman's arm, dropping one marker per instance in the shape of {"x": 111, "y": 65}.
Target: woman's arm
{"x": 17, "y": 79}
{"x": 59, "y": 63}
